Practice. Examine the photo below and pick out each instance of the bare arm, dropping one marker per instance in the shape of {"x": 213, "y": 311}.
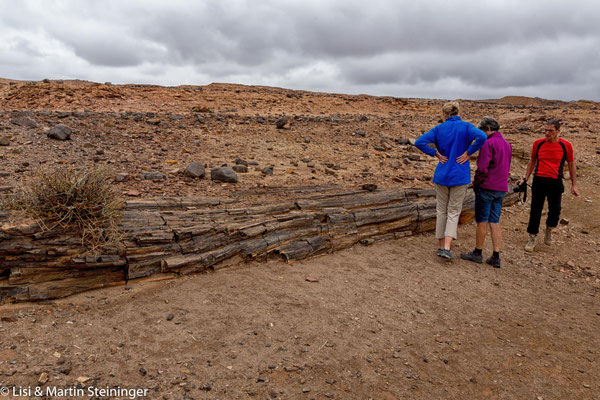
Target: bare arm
{"x": 573, "y": 176}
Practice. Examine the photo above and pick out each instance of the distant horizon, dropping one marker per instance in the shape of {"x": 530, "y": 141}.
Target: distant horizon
{"x": 297, "y": 89}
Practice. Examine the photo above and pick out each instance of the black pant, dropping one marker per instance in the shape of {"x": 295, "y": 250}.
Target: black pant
{"x": 543, "y": 188}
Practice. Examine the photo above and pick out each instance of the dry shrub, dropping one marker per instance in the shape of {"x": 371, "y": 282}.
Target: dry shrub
{"x": 75, "y": 200}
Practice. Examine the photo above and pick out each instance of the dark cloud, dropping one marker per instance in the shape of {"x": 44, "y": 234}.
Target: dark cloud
{"x": 436, "y": 48}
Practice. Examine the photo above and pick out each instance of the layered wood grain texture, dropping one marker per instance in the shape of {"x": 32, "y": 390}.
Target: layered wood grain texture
{"x": 165, "y": 237}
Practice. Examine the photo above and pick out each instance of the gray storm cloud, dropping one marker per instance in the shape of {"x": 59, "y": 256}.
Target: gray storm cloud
{"x": 461, "y": 49}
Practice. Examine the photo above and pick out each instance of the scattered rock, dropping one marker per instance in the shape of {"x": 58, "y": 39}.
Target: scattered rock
{"x": 133, "y": 193}
{"x": 122, "y": 177}
{"x": 4, "y": 141}
{"x": 170, "y": 317}
{"x": 195, "y": 170}
{"x": 60, "y": 132}
{"x": 282, "y": 122}
{"x": 369, "y": 186}
{"x": 239, "y": 161}
{"x": 8, "y": 318}
{"x": 363, "y": 118}
{"x": 268, "y": 170}
{"x": 24, "y": 121}
{"x": 311, "y": 279}
{"x": 153, "y": 175}
{"x": 223, "y": 174}
{"x": 412, "y": 157}
{"x": 361, "y": 133}
{"x": 43, "y": 378}
{"x": 240, "y": 168}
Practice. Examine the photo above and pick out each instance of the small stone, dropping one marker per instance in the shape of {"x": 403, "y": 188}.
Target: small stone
{"x": 24, "y": 121}
{"x": 84, "y": 379}
{"x": 240, "y": 168}
{"x": 311, "y": 279}
{"x": 143, "y": 371}
{"x": 153, "y": 175}
{"x": 268, "y": 170}
{"x": 223, "y": 174}
{"x": 133, "y": 193}
{"x": 170, "y": 317}
{"x": 122, "y": 177}
{"x": 369, "y": 186}
{"x": 564, "y": 221}
{"x": 239, "y": 161}
{"x": 195, "y": 170}
{"x": 43, "y": 378}
{"x": 281, "y": 122}
{"x": 4, "y": 141}
{"x": 60, "y": 132}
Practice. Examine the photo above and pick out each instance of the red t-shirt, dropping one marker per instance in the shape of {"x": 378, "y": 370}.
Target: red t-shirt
{"x": 551, "y": 157}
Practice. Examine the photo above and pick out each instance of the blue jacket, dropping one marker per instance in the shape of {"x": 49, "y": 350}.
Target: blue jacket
{"x": 451, "y": 139}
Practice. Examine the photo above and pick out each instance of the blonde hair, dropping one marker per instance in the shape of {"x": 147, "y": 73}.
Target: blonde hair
{"x": 451, "y": 108}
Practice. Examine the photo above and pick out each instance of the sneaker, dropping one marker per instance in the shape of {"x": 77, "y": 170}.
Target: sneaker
{"x": 548, "y": 236}
{"x": 440, "y": 252}
{"x": 494, "y": 262}
{"x": 530, "y": 246}
{"x": 472, "y": 257}
{"x": 447, "y": 254}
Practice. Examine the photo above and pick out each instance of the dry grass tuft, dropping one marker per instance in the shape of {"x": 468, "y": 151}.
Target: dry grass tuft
{"x": 77, "y": 200}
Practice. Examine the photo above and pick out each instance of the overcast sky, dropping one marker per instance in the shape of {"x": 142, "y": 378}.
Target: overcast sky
{"x": 418, "y": 48}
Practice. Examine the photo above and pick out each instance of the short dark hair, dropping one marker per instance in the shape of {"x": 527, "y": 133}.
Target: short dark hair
{"x": 554, "y": 122}
{"x": 489, "y": 122}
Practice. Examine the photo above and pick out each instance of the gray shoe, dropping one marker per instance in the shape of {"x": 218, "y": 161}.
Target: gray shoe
{"x": 447, "y": 254}
{"x": 530, "y": 246}
{"x": 548, "y": 236}
{"x": 472, "y": 257}
{"x": 440, "y": 252}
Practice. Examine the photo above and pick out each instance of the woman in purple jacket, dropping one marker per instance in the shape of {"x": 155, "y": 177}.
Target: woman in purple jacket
{"x": 490, "y": 185}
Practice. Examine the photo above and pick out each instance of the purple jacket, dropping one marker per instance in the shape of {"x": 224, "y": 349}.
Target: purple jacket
{"x": 493, "y": 164}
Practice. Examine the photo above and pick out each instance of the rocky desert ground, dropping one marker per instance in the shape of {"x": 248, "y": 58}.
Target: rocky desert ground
{"x": 387, "y": 321}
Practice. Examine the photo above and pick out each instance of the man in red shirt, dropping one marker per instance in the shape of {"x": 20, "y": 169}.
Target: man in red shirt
{"x": 548, "y": 158}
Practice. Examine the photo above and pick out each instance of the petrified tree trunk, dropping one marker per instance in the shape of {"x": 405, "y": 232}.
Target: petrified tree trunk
{"x": 187, "y": 235}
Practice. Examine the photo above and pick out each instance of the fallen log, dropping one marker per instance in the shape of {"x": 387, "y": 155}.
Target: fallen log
{"x": 167, "y": 236}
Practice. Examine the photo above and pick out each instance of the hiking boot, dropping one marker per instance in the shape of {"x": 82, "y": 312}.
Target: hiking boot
{"x": 440, "y": 252}
{"x": 493, "y": 261}
{"x": 447, "y": 254}
{"x": 530, "y": 246}
{"x": 548, "y": 236}
{"x": 472, "y": 257}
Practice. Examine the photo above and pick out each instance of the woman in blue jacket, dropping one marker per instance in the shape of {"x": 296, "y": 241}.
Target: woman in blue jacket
{"x": 455, "y": 140}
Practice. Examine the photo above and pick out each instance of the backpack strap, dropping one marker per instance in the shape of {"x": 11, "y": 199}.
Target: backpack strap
{"x": 562, "y": 161}
{"x": 537, "y": 159}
